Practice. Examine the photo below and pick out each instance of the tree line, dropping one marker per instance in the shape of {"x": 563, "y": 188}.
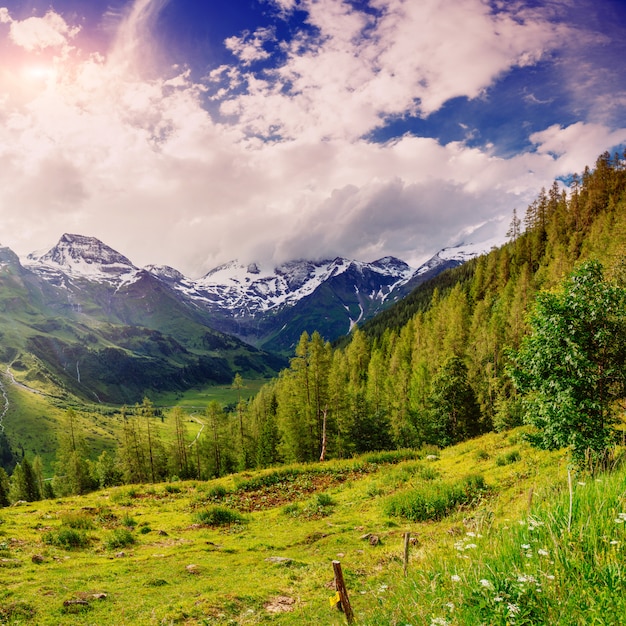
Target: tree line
{"x": 452, "y": 360}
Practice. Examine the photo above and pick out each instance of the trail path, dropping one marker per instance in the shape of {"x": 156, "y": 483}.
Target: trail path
{"x": 203, "y": 424}
{"x": 20, "y": 385}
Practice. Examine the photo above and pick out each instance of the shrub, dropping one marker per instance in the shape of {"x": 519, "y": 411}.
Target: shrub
{"x": 481, "y": 455}
{"x": 172, "y": 488}
{"x": 120, "y": 538}
{"x": 323, "y": 499}
{"x": 129, "y": 521}
{"x": 218, "y": 516}
{"x": 78, "y": 521}
{"x": 217, "y": 492}
{"x": 293, "y": 509}
{"x": 508, "y": 458}
{"x": 433, "y": 501}
{"x": 67, "y": 538}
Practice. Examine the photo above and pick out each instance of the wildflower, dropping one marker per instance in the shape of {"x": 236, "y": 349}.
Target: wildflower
{"x": 486, "y": 583}
{"x": 619, "y": 520}
{"x": 470, "y": 534}
{"x": 450, "y": 606}
{"x": 542, "y": 552}
{"x": 470, "y": 546}
{"x": 439, "y": 621}
{"x": 622, "y": 516}
{"x": 455, "y": 578}
{"x": 525, "y": 546}
{"x": 613, "y": 543}
{"x": 513, "y": 608}
{"x": 550, "y": 576}
{"x": 498, "y": 599}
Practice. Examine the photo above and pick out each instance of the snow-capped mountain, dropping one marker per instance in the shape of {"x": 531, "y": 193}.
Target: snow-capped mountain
{"x": 251, "y": 290}
{"x": 77, "y": 256}
{"x": 265, "y": 306}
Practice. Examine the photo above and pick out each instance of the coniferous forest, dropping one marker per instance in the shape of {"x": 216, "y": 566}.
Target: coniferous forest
{"x": 434, "y": 369}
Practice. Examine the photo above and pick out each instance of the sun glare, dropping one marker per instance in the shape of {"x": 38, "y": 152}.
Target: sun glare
{"x": 38, "y": 72}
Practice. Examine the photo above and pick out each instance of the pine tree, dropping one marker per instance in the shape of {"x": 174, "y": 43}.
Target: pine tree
{"x": 72, "y": 472}
{"x": 24, "y": 483}
{"x": 5, "y": 499}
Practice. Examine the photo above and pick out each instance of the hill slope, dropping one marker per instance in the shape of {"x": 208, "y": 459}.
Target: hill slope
{"x": 153, "y": 553}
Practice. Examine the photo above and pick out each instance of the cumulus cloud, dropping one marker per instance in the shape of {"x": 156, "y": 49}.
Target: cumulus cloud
{"x": 39, "y": 33}
{"x": 106, "y": 146}
{"x": 352, "y": 70}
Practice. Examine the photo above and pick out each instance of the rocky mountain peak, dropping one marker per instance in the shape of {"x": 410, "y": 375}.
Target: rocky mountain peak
{"x": 81, "y": 256}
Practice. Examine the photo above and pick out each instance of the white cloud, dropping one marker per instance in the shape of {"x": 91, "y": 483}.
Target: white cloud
{"x": 39, "y": 33}
{"x": 354, "y": 70}
{"x": 105, "y": 148}
{"x": 249, "y": 47}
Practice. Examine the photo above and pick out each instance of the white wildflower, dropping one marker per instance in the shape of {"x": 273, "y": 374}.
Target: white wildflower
{"x": 513, "y": 608}
{"x": 498, "y": 599}
{"x": 470, "y": 546}
{"x": 455, "y": 578}
{"x": 439, "y": 621}
{"x": 542, "y": 552}
{"x": 525, "y": 546}
{"x": 470, "y": 534}
{"x": 486, "y": 583}
{"x": 614, "y": 543}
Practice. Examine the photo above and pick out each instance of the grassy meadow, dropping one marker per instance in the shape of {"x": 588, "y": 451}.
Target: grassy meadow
{"x": 258, "y": 547}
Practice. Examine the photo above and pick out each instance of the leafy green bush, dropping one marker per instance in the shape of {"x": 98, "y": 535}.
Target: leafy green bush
{"x": 435, "y": 500}
{"x": 218, "y": 516}
{"x": 481, "y": 455}
{"x": 129, "y": 521}
{"x": 67, "y": 538}
{"x": 119, "y": 538}
{"x": 77, "y": 520}
{"x": 508, "y": 458}
{"x": 293, "y": 509}
{"x": 217, "y": 492}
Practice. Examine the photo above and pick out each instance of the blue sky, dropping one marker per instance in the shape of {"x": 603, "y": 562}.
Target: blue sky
{"x": 191, "y": 133}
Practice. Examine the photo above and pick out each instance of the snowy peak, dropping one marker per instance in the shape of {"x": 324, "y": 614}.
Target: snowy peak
{"x": 85, "y": 257}
{"x": 251, "y": 289}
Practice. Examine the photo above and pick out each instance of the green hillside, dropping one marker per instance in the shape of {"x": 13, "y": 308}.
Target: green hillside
{"x": 492, "y": 540}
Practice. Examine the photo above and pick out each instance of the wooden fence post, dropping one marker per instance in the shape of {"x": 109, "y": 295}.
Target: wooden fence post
{"x": 407, "y": 540}
{"x": 340, "y": 586}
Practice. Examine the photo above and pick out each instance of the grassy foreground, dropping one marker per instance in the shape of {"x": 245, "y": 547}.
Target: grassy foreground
{"x": 258, "y": 547}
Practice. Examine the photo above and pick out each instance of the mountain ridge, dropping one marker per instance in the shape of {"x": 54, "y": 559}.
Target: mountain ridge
{"x": 264, "y": 306}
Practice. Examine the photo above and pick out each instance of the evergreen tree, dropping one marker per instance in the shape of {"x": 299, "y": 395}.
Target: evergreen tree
{"x": 24, "y": 484}
{"x": 72, "y": 471}
{"x": 5, "y": 499}
{"x": 455, "y": 411}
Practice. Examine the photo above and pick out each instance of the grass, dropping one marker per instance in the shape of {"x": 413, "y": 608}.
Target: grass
{"x": 485, "y": 560}
{"x": 199, "y": 398}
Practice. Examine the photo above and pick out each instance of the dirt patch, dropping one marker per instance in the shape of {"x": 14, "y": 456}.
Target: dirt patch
{"x": 280, "y": 604}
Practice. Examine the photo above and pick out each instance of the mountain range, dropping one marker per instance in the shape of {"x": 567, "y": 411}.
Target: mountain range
{"x": 82, "y": 317}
